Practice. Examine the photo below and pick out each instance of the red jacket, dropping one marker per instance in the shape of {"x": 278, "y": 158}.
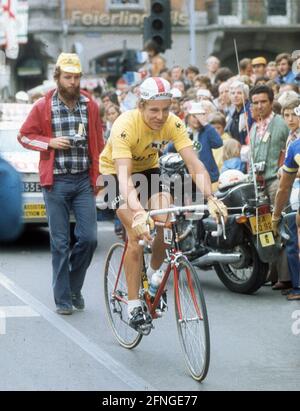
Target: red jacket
{"x": 36, "y": 133}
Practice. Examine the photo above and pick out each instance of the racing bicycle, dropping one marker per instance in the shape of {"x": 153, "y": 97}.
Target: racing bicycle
{"x": 190, "y": 308}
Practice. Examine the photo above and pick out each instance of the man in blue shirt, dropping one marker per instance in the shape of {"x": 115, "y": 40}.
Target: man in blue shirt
{"x": 284, "y": 64}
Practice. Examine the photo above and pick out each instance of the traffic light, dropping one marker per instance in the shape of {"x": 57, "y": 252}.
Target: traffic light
{"x": 157, "y": 27}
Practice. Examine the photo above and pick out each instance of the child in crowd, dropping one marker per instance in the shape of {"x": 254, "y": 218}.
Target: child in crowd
{"x": 112, "y": 112}
{"x": 232, "y": 156}
{"x": 205, "y": 136}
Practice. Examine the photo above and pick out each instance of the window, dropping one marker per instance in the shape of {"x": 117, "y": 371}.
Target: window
{"x": 277, "y": 8}
{"x": 279, "y": 12}
{"x": 230, "y": 12}
{"x": 228, "y": 7}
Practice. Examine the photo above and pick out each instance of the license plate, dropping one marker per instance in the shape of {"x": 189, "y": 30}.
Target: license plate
{"x": 262, "y": 225}
{"x": 267, "y": 239}
{"x": 34, "y": 210}
{"x": 31, "y": 187}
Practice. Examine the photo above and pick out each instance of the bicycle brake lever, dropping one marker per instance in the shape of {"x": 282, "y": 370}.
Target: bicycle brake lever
{"x": 223, "y": 227}
{"x": 218, "y": 231}
{"x": 144, "y": 243}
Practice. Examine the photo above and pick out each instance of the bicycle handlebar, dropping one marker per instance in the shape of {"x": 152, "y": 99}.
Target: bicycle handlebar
{"x": 143, "y": 243}
{"x": 200, "y": 208}
{"x": 176, "y": 209}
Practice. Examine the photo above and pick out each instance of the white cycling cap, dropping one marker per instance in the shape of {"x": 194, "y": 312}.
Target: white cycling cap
{"x": 230, "y": 178}
{"x": 202, "y": 92}
{"x": 296, "y": 65}
{"x": 287, "y": 97}
{"x": 22, "y": 96}
{"x": 176, "y": 93}
{"x": 196, "y": 108}
{"x": 155, "y": 88}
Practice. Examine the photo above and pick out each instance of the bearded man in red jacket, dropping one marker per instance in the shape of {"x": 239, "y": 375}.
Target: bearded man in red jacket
{"x": 65, "y": 127}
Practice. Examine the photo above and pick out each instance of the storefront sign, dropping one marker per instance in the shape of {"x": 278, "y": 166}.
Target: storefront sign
{"x": 122, "y": 18}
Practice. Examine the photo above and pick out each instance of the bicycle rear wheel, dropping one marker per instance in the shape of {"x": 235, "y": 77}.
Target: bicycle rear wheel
{"x": 116, "y": 297}
{"x": 192, "y": 320}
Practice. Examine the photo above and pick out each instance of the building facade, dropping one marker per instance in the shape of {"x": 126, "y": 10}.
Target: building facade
{"x": 100, "y": 30}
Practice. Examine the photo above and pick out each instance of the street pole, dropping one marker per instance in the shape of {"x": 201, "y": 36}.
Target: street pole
{"x": 64, "y": 25}
{"x": 193, "y": 57}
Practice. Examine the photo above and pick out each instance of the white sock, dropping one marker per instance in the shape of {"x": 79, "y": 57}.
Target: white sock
{"x": 131, "y": 305}
{"x": 164, "y": 266}
{"x": 150, "y": 271}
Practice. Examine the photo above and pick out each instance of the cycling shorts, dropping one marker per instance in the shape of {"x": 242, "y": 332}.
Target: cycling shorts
{"x": 147, "y": 183}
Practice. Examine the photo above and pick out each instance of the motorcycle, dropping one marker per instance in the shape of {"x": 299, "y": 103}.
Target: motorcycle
{"x": 241, "y": 250}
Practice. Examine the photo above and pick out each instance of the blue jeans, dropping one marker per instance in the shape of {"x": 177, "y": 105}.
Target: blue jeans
{"x": 292, "y": 251}
{"x": 70, "y": 192}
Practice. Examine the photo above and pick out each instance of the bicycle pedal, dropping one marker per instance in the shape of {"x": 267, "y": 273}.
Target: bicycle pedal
{"x": 145, "y": 329}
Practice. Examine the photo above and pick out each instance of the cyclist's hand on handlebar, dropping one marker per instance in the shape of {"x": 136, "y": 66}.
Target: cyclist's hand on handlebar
{"x": 217, "y": 208}
{"x": 142, "y": 223}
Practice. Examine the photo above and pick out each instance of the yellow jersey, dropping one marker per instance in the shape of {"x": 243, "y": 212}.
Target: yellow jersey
{"x": 131, "y": 138}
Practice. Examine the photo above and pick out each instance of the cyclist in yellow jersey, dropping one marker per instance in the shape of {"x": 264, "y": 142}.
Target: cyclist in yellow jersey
{"x": 133, "y": 147}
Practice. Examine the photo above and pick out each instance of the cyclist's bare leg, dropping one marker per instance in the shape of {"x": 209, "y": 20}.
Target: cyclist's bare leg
{"x": 134, "y": 254}
{"x": 133, "y": 257}
{"x": 158, "y": 201}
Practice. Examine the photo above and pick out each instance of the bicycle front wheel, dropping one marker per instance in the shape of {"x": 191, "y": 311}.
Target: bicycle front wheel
{"x": 116, "y": 298}
{"x": 192, "y": 320}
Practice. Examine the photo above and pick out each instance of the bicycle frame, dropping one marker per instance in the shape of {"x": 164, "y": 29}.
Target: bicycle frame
{"x": 173, "y": 254}
{"x": 151, "y": 305}
{"x": 190, "y": 309}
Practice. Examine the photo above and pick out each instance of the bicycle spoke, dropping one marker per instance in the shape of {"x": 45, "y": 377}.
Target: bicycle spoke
{"x": 191, "y": 330}
{"x": 192, "y": 321}
{"x": 115, "y": 288}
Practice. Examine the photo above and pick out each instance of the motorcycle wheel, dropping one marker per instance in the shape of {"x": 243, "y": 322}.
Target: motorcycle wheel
{"x": 248, "y": 278}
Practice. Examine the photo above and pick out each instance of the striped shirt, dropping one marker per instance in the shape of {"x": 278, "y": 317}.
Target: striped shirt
{"x": 263, "y": 125}
{"x": 68, "y": 122}
{"x": 294, "y": 135}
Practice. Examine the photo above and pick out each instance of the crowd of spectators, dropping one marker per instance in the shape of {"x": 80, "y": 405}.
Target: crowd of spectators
{"x": 232, "y": 116}
{"x": 222, "y": 97}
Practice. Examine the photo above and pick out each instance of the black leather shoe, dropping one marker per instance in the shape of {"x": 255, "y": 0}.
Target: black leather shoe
{"x": 78, "y": 301}
{"x": 282, "y": 285}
